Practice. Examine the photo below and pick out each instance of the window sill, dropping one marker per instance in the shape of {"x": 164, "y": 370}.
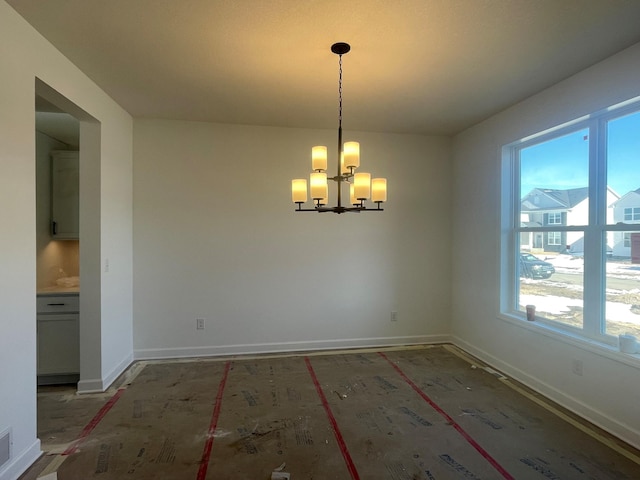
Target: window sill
{"x": 565, "y": 336}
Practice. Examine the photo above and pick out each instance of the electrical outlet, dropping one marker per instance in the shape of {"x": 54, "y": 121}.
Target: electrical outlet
{"x": 394, "y": 316}
{"x": 576, "y": 367}
{"x": 199, "y": 323}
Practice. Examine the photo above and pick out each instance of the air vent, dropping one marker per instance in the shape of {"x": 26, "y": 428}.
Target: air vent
{"x": 5, "y": 447}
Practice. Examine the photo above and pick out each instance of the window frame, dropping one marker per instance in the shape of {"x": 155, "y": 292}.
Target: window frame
{"x": 557, "y": 238}
{"x": 634, "y": 214}
{"x": 595, "y": 230}
{"x": 556, "y": 216}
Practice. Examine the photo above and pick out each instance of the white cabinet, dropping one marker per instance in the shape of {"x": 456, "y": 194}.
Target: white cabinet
{"x": 65, "y": 194}
{"x": 58, "y": 339}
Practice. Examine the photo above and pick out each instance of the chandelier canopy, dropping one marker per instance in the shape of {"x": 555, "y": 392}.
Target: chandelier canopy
{"x": 361, "y": 186}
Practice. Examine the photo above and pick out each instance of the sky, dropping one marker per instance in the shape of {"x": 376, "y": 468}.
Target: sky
{"x": 563, "y": 163}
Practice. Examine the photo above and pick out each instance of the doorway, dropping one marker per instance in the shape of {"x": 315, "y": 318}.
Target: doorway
{"x": 68, "y": 261}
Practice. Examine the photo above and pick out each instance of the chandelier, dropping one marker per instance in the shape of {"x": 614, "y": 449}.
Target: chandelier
{"x": 361, "y": 186}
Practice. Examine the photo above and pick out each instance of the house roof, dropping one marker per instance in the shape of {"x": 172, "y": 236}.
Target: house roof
{"x": 626, "y": 196}
{"x": 550, "y": 199}
{"x": 416, "y": 66}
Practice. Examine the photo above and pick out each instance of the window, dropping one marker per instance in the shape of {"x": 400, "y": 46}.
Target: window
{"x": 583, "y": 275}
{"x": 555, "y": 219}
{"x": 632, "y": 214}
{"x": 554, "y": 238}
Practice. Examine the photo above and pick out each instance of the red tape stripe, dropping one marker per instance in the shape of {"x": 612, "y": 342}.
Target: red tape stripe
{"x": 206, "y": 454}
{"x": 334, "y": 424}
{"x": 450, "y": 420}
{"x": 93, "y": 423}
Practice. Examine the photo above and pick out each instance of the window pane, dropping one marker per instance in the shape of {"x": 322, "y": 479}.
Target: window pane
{"x": 622, "y": 309}
{"x": 554, "y": 238}
{"x": 554, "y": 176}
{"x": 552, "y": 282}
{"x": 623, "y": 169}
{"x": 555, "y": 219}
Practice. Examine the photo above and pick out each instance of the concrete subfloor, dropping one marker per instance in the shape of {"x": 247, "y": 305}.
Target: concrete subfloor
{"x": 411, "y": 413}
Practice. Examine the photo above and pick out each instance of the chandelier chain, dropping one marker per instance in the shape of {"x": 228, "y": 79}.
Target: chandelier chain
{"x": 340, "y": 95}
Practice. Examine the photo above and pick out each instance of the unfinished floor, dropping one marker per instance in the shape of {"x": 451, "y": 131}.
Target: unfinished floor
{"x": 400, "y": 414}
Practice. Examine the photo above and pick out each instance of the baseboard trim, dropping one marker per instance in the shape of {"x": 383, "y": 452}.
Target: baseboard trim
{"x": 117, "y": 371}
{"x": 21, "y": 462}
{"x": 99, "y": 385}
{"x": 282, "y": 347}
{"x": 610, "y": 425}
{"x": 93, "y": 385}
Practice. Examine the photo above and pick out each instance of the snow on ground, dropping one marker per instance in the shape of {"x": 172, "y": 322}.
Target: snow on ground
{"x": 570, "y": 264}
{"x": 615, "y": 312}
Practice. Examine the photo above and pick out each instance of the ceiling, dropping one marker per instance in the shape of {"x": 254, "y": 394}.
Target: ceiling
{"x": 416, "y": 66}
{"x": 57, "y": 124}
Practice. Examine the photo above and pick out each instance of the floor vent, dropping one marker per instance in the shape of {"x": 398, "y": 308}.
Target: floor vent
{"x": 5, "y": 447}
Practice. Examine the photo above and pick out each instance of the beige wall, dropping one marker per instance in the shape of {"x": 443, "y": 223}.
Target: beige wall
{"x": 106, "y": 317}
{"x": 216, "y": 237}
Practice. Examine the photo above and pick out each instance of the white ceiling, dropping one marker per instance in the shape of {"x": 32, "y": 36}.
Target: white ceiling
{"x": 416, "y": 66}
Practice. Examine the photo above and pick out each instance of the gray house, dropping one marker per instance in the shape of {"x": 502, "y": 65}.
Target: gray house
{"x": 546, "y": 207}
{"x": 626, "y": 210}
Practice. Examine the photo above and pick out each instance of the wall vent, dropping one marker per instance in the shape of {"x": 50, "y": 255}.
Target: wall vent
{"x": 5, "y": 447}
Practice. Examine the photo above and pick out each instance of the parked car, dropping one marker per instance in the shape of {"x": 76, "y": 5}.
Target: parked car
{"x": 532, "y": 267}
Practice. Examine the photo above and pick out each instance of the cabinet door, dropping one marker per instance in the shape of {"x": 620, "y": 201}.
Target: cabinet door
{"x": 65, "y": 194}
{"x": 58, "y": 344}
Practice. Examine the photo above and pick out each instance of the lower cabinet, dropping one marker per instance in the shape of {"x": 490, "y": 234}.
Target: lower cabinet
{"x": 58, "y": 339}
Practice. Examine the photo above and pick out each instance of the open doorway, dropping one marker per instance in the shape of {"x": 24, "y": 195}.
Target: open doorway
{"x": 68, "y": 153}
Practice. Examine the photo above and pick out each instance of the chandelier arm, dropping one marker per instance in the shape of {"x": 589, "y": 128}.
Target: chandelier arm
{"x": 357, "y": 209}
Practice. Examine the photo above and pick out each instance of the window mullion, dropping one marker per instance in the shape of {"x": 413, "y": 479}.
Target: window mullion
{"x": 594, "y": 267}
{"x": 514, "y": 246}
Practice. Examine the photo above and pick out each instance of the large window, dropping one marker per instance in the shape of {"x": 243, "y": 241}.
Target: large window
{"x": 571, "y": 226}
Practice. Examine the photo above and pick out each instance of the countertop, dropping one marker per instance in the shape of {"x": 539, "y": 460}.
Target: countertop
{"x": 58, "y": 290}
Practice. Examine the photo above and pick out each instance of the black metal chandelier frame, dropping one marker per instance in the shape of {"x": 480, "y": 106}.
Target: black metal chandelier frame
{"x": 340, "y": 48}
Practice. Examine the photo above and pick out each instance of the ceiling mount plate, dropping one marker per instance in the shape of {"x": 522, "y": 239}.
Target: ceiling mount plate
{"x": 340, "y": 48}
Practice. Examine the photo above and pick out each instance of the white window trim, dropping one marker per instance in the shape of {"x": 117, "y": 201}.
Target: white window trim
{"x": 594, "y": 232}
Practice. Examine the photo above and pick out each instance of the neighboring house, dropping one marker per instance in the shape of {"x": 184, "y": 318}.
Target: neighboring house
{"x": 546, "y": 207}
{"x": 625, "y": 210}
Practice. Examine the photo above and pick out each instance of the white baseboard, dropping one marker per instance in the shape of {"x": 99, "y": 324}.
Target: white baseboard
{"x": 611, "y": 425}
{"x": 257, "y": 348}
{"x": 20, "y": 463}
{"x": 99, "y": 385}
{"x": 117, "y": 371}
{"x": 93, "y": 385}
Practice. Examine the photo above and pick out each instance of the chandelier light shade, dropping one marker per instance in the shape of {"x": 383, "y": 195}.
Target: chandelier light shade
{"x": 351, "y": 155}
{"x": 361, "y": 186}
{"x": 319, "y": 158}
{"x": 379, "y": 190}
{"x": 299, "y": 190}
